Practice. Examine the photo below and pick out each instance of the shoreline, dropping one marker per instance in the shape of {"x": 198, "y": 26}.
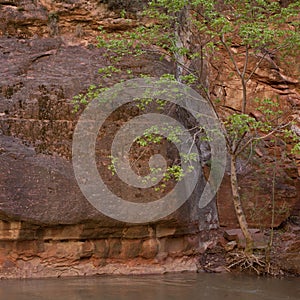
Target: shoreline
{"x": 212, "y": 258}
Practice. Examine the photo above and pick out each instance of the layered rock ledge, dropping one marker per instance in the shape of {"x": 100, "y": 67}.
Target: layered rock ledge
{"x": 47, "y": 227}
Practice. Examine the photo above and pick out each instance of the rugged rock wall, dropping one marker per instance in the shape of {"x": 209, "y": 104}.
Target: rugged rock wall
{"x": 269, "y": 168}
{"x": 48, "y": 228}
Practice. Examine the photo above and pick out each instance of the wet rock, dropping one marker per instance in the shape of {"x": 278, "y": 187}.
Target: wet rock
{"x": 219, "y": 269}
{"x": 290, "y": 259}
{"x": 236, "y": 237}
{"x": 236, "y": 234}
{"x": 44, "y": 192}
{"x": 256, "y": 191}
{"x": 149, "y": 248}
{"x": 230, "y": 246}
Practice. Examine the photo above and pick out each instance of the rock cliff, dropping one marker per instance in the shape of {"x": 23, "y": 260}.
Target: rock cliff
{"x": 47, "y": 227}
{"x": 48, "y": 55}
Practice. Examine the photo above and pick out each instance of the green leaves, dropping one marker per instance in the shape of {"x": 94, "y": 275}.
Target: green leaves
{"x": 296, "y": 149}
{"x": 257, "y": 27}
{"x": 172, "y": 6}
{"x": 244, "y": 130}
{"x": 154, "y": 134}
{"x": 112, "y": 165}
{"x": 151, "y": 135}
{"x": 239, "y": 124}
{"x": 83, "y": 99}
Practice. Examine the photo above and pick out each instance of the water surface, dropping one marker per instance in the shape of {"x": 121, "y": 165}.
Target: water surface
{"x": 158, "y": 287}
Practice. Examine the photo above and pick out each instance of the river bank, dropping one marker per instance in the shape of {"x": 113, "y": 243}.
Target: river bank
{"x": 280, "y": 260}
{"x": 222, "y": 253}
{"x": 48, "y": 228}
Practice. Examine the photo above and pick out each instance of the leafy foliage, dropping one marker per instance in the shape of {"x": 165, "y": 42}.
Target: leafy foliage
{"x": 261, "y": 29}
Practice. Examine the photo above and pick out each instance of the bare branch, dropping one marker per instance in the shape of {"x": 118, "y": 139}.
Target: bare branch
{"x": 256, "y": 67}
{"x": 222, "y": 39}
{"x": 261, "y": 137}
{"x": 239, "y": 141}
{"x": 246, "y": 61}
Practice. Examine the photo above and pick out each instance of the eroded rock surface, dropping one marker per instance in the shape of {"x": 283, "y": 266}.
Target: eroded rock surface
{"x": 47, "y": 228}
{"x": 47, "y": 56}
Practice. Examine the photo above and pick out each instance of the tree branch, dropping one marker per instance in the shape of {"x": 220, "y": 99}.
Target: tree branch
{"x": 230, "y": 55}
{"x": 246, "y": 61}
{"x": 261, "y": 138}
{"x": 256, "y": 67}
{"x": 239, "y": 142}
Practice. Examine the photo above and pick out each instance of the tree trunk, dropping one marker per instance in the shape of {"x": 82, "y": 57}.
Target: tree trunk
{"x": 238, "y": 207}
{"x": 244, "y": 101}
{"x": 182, "y": 40}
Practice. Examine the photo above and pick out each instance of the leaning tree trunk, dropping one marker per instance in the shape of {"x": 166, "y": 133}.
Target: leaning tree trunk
{"x": 182, "y": 31}
{"x": 238, "y": 207}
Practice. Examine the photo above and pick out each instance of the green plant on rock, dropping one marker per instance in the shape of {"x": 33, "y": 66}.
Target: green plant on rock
{"x": 249, "y": 32}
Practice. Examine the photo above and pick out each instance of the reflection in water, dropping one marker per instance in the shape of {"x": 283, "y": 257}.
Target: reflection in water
{"x": 172, "y": 286}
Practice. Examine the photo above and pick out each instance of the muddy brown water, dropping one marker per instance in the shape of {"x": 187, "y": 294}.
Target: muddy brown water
{"x": 158, "y": 287}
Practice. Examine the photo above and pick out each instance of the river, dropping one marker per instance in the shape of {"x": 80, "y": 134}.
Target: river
{"x": 184, "y": 286}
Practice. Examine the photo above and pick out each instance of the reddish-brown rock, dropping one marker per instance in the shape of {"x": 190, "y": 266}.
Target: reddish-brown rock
{"x": 47, "y": 227}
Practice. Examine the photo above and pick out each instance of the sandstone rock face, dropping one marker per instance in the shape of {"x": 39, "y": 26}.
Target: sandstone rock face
{"x": 257, "y": 190}
{"x": 28, "y": 250}
{"x": 48, "y": 228}
{"x": 288, "y": 247}
{"x": 268, "y": 169}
